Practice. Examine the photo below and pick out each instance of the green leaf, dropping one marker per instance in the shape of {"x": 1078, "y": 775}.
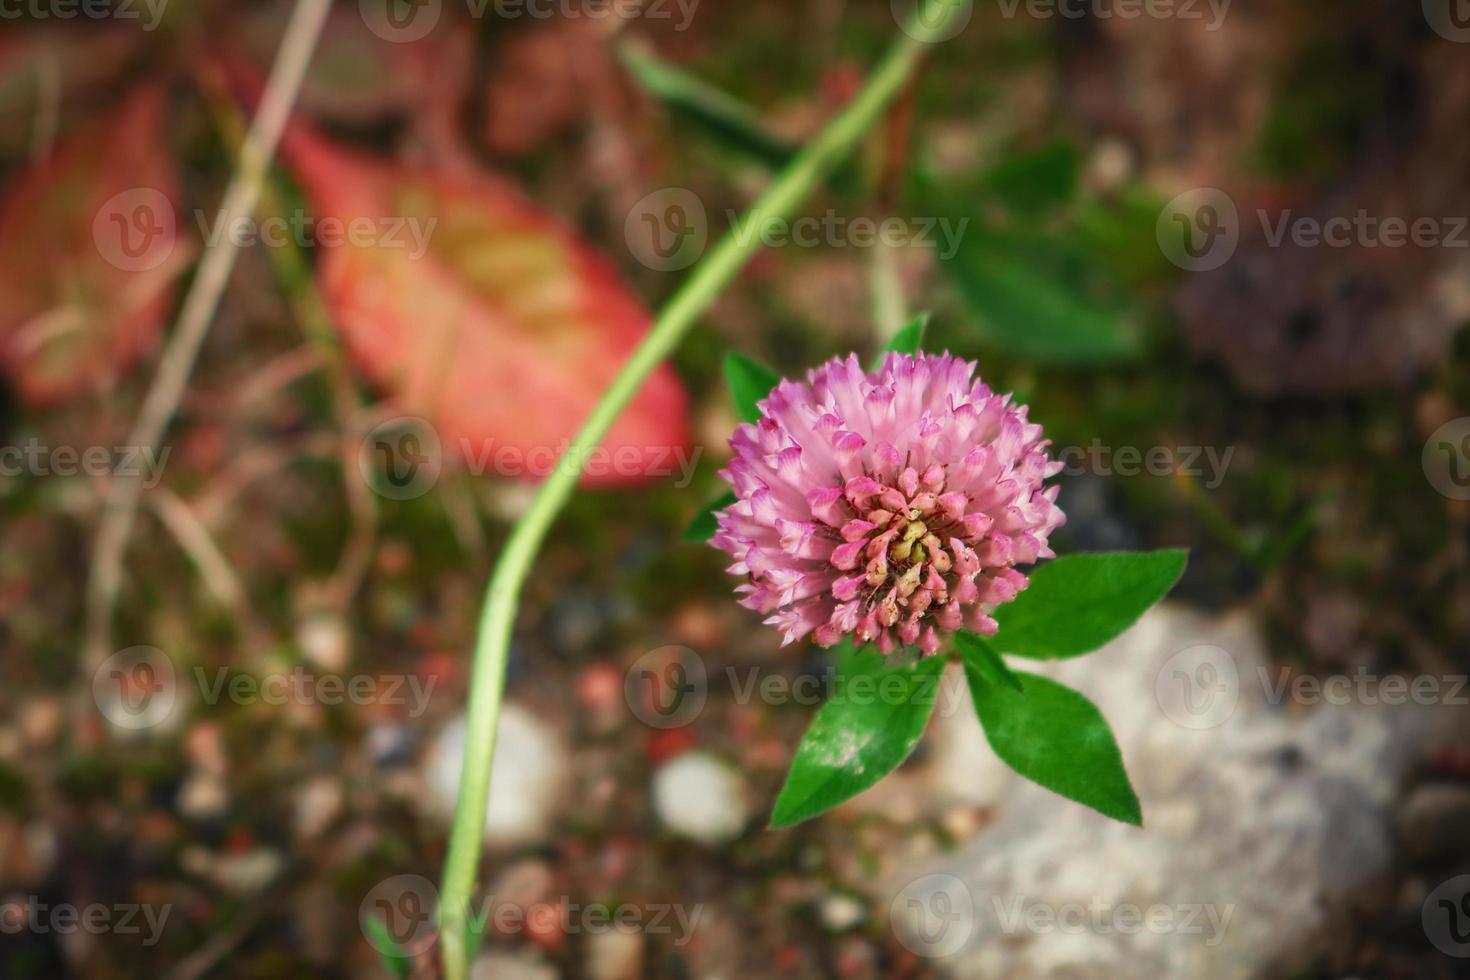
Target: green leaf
{"x": 908, "y": 340}
{"x": 749, "y": 382}
{"x": 865, "y": 730}
{"x": 703, "y": 527}
{"x": 398, "y": 963}
{"x": 1077, "y": 603}
{"x": 1039, "y": 296}
{"x": 985, "y": 661}
{"x": 1056, "y": 737}
{"x": 722, "y": 115}
{"x": 1034, "y": 181}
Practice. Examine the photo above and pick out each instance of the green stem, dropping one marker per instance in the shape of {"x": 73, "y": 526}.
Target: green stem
{"x": 778, "y": 203}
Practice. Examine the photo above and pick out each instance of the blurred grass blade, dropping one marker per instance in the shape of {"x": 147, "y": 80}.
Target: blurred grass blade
{"x": 724, "y": 116}
{"x": 398, "y": 963}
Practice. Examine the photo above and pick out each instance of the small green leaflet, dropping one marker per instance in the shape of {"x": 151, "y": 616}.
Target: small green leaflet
{"x": 908, "y": 340}
{"x": 722, "y": 115}
{"x": 875, "y": 717}
{"x": 399, "y": 962}
{"x": 1057, "y": 738}
{"x": 703, "y": 527}
{"x": 987, "y": 662}
{"x": 1077, "y": 603}
{"x": 750, "y": 382}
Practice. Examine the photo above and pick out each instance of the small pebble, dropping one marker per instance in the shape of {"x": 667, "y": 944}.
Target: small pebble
{"x": 700, "y": 797}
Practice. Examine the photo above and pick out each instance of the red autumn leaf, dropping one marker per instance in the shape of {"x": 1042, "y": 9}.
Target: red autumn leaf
{"x": 89, "y": 253}
{"x": 471, "y": 307}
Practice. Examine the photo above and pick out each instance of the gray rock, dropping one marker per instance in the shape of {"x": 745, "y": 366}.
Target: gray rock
{"x": 1267, "y": 821}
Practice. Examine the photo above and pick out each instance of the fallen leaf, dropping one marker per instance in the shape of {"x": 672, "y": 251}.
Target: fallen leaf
{"x": 469, "y": 306}
{"x": 90, "y": 253}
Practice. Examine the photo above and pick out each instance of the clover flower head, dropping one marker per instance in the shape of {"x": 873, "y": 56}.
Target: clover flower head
{"x": 892, "y": 507}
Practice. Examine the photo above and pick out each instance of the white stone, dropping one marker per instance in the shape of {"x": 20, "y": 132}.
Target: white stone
{"x": 527, "y": 778}
{"x": 615, "y": 955}
{"x": 1274, "y": 819}
{"x": 511, "y": 966}
{"x": 698, "y": 796}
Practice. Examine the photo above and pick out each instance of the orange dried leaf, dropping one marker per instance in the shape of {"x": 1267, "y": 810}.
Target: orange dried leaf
{"x": 471, "y": 307}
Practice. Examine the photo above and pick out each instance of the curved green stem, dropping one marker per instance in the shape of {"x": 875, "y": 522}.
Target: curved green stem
{"x": 487, "y": 683}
